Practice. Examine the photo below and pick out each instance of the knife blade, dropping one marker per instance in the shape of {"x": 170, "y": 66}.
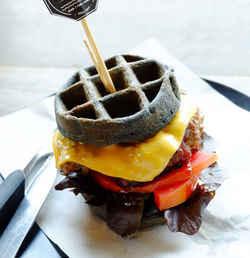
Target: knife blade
{"x": 11, "y": 194}
{"x": 40, "y": 175}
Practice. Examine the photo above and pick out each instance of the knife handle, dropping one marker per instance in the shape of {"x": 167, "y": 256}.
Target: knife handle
{"x": 11, "y": 194}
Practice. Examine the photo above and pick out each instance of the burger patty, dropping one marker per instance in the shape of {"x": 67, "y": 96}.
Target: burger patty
{"x": 192, "y": 141}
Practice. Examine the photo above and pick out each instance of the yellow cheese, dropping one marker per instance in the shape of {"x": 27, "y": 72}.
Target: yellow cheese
{"x": 141, "y": 162}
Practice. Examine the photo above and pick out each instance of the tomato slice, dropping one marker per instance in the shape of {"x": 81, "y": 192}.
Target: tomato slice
{"x": 198, "y": 162}
{"x": 174, "y": 195}
{"x": 107, "y": 182}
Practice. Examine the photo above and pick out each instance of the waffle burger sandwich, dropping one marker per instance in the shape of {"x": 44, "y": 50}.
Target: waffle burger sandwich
{"x": 136, "y": 155}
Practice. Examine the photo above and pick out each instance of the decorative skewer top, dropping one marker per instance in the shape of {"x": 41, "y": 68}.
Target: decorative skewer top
{"x": 73, "y": 9}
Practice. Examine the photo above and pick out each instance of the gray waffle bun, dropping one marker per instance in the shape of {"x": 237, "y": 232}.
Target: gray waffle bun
{"x": 146, "y": 99}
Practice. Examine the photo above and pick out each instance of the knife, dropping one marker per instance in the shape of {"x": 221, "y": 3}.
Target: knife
{"x": 235, "y": 96}
{"x": 11, "y": 194}
{"x": 40, "y": 175}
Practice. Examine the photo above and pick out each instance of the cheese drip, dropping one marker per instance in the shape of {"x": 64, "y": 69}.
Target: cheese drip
{"x": 141, "y": 162}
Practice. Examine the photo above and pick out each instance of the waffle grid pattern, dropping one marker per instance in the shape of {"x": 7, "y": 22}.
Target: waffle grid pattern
{"x": 138, "y": 82}
{"x": 134, "y": 90}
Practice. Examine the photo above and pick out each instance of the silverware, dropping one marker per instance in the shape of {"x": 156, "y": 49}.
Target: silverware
{"x": 11, "y": 194}
{"x": 40, "y": 174}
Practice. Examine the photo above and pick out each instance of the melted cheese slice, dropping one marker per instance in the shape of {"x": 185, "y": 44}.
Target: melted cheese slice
{"x": 141, "y": 162}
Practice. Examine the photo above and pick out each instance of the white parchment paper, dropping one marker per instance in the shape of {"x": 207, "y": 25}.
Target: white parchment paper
{"x": 225, "y": 231}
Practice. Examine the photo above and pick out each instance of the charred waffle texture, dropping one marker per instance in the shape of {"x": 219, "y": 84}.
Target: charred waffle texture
{"x": 146, "y": 99}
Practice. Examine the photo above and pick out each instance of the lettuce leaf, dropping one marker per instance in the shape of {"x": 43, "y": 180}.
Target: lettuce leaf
{"x": 124, "y": 211}
{"x": 187, "y": 217}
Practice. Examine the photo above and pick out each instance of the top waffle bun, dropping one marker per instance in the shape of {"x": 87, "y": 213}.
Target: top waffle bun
{"x": 146, "y": 99}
